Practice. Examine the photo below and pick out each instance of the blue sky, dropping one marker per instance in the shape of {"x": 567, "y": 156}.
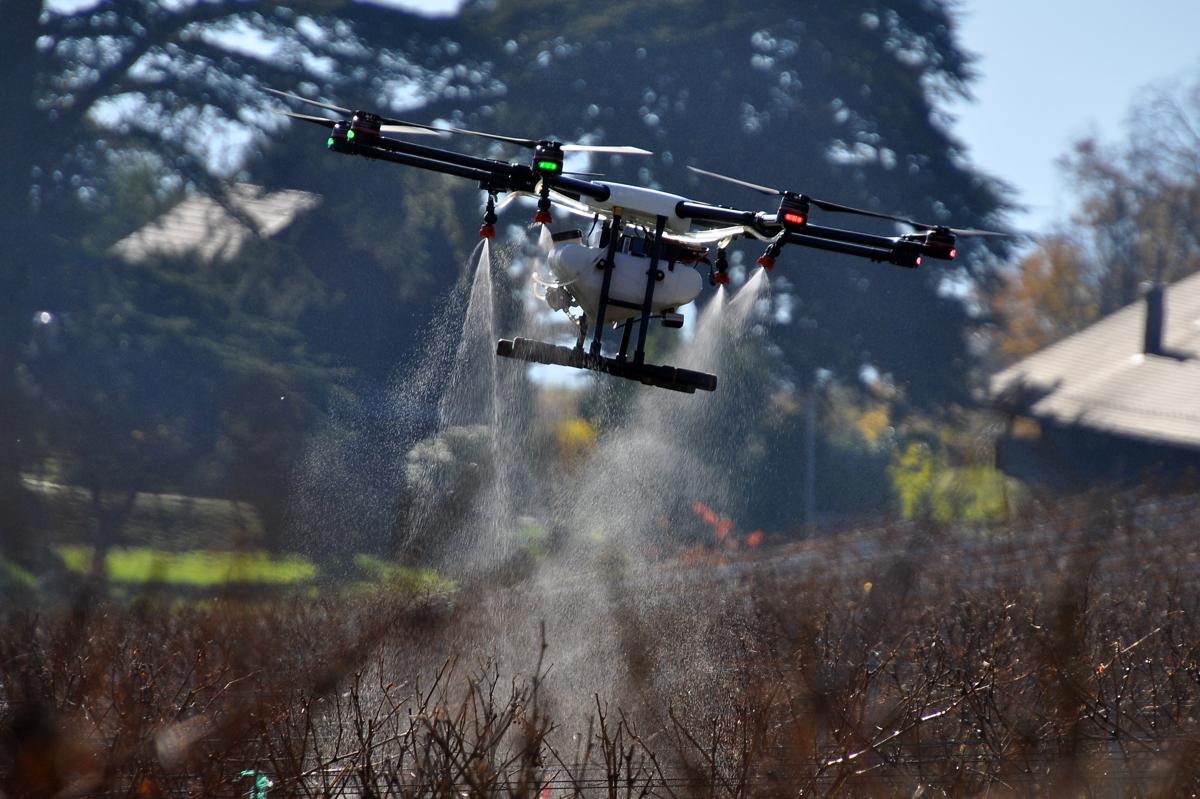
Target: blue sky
{"x": 1056, "y": 70}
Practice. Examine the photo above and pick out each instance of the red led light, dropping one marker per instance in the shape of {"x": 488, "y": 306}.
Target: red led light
{"x": 918, "y": 260}
{"x": 794, "y": 219}
{"x": 953, "y": 254}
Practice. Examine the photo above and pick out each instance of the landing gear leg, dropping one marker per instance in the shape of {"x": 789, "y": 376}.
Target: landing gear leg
{"x": 625, "y": 340}
{"x": 614, "y": 237}
{"x": 583, "y": 330}
{"x": 639, "y": 355}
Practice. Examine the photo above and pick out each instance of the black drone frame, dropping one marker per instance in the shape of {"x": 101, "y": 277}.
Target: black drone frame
{"x": 363, "y": 135}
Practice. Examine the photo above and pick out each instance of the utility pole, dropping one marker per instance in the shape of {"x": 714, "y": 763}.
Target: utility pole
{"x": 820, "y": 379}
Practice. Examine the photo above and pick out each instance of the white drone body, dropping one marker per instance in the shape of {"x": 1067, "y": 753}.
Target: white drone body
{"x": 579, "y": 268}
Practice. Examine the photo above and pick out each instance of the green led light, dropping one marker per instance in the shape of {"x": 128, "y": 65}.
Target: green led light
{"x": 329, "y": 142}
{"x": 547, "y": 166}
{"x": 349, "y": 134}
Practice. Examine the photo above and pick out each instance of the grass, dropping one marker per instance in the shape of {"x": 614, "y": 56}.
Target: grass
{"x": 422, "y": 581}
{"x": 130, "y": 568}
{"x": 196, "y": 568}
{"x": 15, "y": 576}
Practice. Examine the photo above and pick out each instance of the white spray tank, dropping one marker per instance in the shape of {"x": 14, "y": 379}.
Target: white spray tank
{"x": 580, "y": 270}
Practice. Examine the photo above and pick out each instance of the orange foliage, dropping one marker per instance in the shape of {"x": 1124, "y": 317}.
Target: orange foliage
{"x": 723, "y": 528}
{"x": 704, "y": 512}
{"x": 1048, "y": 298}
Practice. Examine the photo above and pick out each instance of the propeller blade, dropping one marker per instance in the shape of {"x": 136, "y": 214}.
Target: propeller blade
{"x": 318, "y": 103}
{"x": 410, "y": 129}
{"x": 973, "y": 232}
{"x": 329, "y": 123}
{"x": 838, "y": 208}
{"x": 615, "y": 149}
{"x": 737, "y": 182}
{"x": 846, "y": 209}
{"x": 530, "y": 143}
{"x": 569, "y": 148}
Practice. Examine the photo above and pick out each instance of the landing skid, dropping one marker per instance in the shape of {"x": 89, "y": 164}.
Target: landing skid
{"x": 668, "y": 377}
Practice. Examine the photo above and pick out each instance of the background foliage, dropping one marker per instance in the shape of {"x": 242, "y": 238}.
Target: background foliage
{"x": 212, "y": 379}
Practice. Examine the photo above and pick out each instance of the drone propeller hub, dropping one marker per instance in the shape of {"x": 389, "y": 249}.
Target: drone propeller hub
{"x": 939, "y": 243}
{"x": 365, "y": 122}
{"x": 548, "y": 158}
{"x": 793, "y": 211}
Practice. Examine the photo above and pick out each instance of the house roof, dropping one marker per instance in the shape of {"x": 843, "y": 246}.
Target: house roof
{"x": 1099, "y": 378}
{"x": 201, "y": 227}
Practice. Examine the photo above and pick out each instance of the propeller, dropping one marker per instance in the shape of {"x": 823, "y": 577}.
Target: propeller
{"x": 317, "y": 103}
{"x": 838, "y": 208}
{"x": 532, "y": 144}
{"x": 547, "y": 162}
{"x": 386, "y": 125}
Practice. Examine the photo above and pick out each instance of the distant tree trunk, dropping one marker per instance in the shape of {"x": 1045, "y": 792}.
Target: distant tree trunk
{"x": 108, "y": 523}
{"x": 18, "y": 240}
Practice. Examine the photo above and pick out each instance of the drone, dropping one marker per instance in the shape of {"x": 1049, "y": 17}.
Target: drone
{"x": 649, "y": 257}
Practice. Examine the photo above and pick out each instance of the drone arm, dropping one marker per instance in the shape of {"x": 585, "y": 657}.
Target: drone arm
{"x": 421, "y": 162}
{"x": 700, "y": 212}
{"x": 844, "y": 247}
{"x": 505, "y": 176}
{"x": 569, "y": 185}
{"x": 849, "y": 236}
{"x": 863, "y": 245}
{"x": 492, "y": 174}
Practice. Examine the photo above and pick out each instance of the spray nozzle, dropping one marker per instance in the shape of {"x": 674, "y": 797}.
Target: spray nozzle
{"x": 543, "y": 212}
{"x": 488, "y": 229}
{"x": 719, "y": 276}
{"x": 767, "y": 259}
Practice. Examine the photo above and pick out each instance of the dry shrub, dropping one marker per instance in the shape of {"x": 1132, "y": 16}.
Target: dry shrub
{"x": 1057, "y": 657}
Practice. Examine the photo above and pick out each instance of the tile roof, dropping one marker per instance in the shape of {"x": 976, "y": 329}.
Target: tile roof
{"x": 199, "y": 226}
{"x": 1099, "y": 378}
